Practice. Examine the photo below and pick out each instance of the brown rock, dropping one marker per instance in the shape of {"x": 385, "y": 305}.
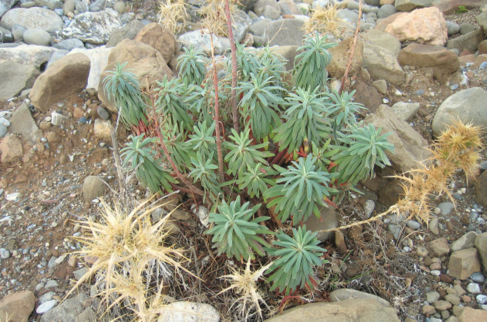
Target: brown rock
{"x": 439, "y": 247}
{"x": 469, "y": 315}
{"x": 429, "y": 310}
{"x": 479, "y": 60}
{"x": 17, "y": 306}
{"x": 361, "y": 309}
{"x": 144, "y": 61}
{"x": 442, "y": 305}
{"x": 408, "y": 144}
{"x": 426, "y": 26}
{"x": 464, "y": 263}
{"x": 78, "y": 113}
{"x": 340, "y": 242}
{"x": 481, "y": 189}
{"x": 93, "y": 187}
{"x": 103, "y": 129}
{"x": 65, "y": 77}
{"x": 10, "y": 149}
{"x": 159, "y": 38}
{"x": 367, "y": 95}
{"x": 481, "y": 245}
{"x": 340, "y": 55}
{"x": 443, "y": 61}
{"x": 482, "y": 47}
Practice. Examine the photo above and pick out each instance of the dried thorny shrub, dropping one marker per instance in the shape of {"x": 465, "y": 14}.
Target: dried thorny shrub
{"x": 133, "y": 261}
{"x": 457, "y": 148}
{"x": 214, "y": 16}
{"x": 245, "y": 285}
{"x": 325, "y": 21}
{"x": 173, "y": 15}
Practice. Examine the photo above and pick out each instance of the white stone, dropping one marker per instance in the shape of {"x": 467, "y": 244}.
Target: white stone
{"x": 46, "y": 307}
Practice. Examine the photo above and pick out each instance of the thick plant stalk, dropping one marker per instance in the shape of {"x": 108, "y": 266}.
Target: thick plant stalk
{"x": 233, "y": 48}
{"x": 352, "y": 50}
{"x": 217, "y": 117}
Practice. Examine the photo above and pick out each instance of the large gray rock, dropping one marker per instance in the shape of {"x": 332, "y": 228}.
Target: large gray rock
{"x": 409, "y": 145}
{"x": 468, "y": 41}
{"x": 69, "y": 44}
{"x": 384, "y": 40}
{"x": 201, "y": 40}
{"x": 382, "y": 64}
{"x": 129, "y": 31}
{"x": 469, "y": 106}
{"x": 348, "y": 294}
{"x": 67, "y": 76}
{"x": 33, "y": 18}
{"x": 27, "y": 54}
{"x": 98, "y": 62}
{"x": 189, "y": 311}
{"x": 18, "y": 306}
{"x": 284, "y": 32}
{"x": 145, "y": 62}
{"x": 22, "y": 123}
{"x": 70, "y": 310}
{"x": 240, "y": 25}
{"x": 464, "y": 242}
{"x": 360, "y": 309}
{"x": 263, "y": 6}
{"x": 14, "y": 77}
{"x": 37, "y": 37}
{"x": 6, "y": 5}
{"x": 93, "y": 27}
{"x": 482, "y": 21}
{"x": 481, "y": 245}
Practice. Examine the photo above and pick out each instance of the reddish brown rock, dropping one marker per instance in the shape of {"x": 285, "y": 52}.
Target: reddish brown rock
{"x": 443, "y": 61}
{"x": 159, "y": 38}
{"x": 10, "y": 149}
{"x": 65, "y": 77}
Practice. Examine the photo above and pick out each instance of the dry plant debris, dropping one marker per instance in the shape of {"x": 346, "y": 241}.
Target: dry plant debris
{"x": 325, "y": 21}
{"x": 214, "y": 16}
{"x": 173, "y": 15}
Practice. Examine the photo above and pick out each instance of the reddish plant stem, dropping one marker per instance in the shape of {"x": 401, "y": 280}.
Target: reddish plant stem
{"x": 352, "y": 50}
{"x": 233, "y": 48}
{"x": 217, "y": 117}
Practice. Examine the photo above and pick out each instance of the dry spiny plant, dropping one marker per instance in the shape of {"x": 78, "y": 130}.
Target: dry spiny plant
{"x": 457, "y": 148}
{"x": 173, "y": 15}
{"x": 324, "y": 20}
{"x": 245, "y": 285}
{"x": 133, "y": 260}
{"x": 214, "y": 16}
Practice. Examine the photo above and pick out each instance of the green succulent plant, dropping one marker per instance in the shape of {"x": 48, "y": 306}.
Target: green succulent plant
{"x": 300, "y": 190}
{"x": 140, "y": 157}
{"x": 203, "y": 139}
{"x": 256, "y": 180}
{"x": 235, "y": 233}
{"x": 171, "y": 105}
{"x": 296, "y": 260}
{"x": 123, "y": 86}
{"x": 305, "y": 121}
{"x": 342, "y": 109}
{"x": 204, "y": 171}
{"x": 191, "y": 66}
{"x": 360, "y": 151}
{"x": 310, "y": 65}
{"x": 247, "y": 62}
{"x": 260, "y": 102}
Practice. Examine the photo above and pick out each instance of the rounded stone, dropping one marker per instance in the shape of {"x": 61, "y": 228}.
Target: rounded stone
{"x": 37, "y": 37}
{"x": 93, "y": 187}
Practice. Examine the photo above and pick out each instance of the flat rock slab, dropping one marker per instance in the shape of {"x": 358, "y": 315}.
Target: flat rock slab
{"x": 31, "y": 18}
{"x": 14, "y": 77}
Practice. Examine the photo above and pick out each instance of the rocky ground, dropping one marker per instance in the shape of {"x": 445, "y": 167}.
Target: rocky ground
{"x": 56, "y": 151}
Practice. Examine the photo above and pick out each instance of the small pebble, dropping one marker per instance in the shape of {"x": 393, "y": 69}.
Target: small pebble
{"x": 413, "y": 224}
{"x": 454, "y": 87}
{"x": 473, "y": 288}
{"x": 481, "y": 299}
{"x": 4, "y": 253}
{"x": 385, "y": 100}
{"x": 420, "y": 92}
{"x": 483, "y": 65}
{"x": 435, "y": 272}
{"x": 46, "y": 307}
{"x": 478, "y": 277}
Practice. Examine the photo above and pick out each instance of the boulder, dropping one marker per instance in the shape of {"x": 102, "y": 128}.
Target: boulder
{"x": 481, "y": 245}
{"x": 467, "y": 105}
{"x": 129, "y": 31}
{"x": 386, "y": 10}
{"x": 98, "y": 62}
{"x": 93, "y": 187}
{"x": 482, "y": 21}
{"x": 93, "y": 27}
{"x": 405, "y": 111}
{"x": 18, "y": 306}
{"x": 464, "y": 242}
{"x": 366, "y": 95}
{"x": 23, "y": 124}
{"x": 361, "y": 309}
{"x": 463, "y": 263}
{"x": 348, "y": 294}
{"x": 202, "y": 40}
{"x": 67, "y": 76}
{"x": 10, "y": 149}
{"x": 70, "y": 310}
{"x": 284, "y": 32}
{"x": 189, "y": 311}
{"x": 425, "y": 26}
{"x": 469, "y": 315}
{"x": 442, "y": 61}
{"x": 340, "y": 55}
{"x": 37, "y": 37}
{"x": 383, "y": 40}
{"x": 14, "y": 77}
{"x": 145, "y": 62}
{"x": 31, "y": 18}
{"x": 409, "y": 5}
{"x": 409, "y": 145}
{"x": 382, "y": 64}
{"x": 158, "y": 38}
{"x": 6, "y": 5}
{"x": 69, "y": 44}
{"x": 27, "y": 55}
{"x": 468, "y": 41}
